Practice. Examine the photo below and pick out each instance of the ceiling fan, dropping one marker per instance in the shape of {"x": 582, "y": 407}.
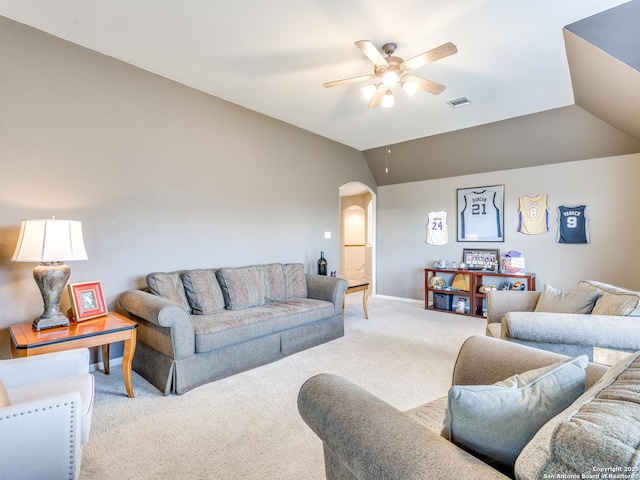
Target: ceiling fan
{"x": 393, "y": 70}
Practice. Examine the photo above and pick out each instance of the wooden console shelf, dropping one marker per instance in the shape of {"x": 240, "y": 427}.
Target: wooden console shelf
{"x": 475, "y": 301}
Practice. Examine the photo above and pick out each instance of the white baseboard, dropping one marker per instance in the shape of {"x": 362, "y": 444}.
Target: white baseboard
{"x": 400, "y": 299}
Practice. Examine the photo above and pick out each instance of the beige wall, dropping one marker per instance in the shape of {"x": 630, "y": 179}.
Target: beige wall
{"x": 162, "y": 176}
{"x": 607, "y": 185}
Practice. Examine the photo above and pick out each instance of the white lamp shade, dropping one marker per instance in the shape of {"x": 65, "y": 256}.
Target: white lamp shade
{"x": 387, "y": 101}
{"x": 410, "y": 87}
{"x": 50, "y": 241}
{"x": 390, "y": 79}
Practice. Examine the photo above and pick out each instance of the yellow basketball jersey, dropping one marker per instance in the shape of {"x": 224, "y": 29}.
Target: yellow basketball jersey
{"x": 534, "y": 215}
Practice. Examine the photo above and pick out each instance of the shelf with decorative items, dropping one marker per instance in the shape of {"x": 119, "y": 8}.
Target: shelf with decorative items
{"x": 449, "y": 290}
{"x": 484, "y": 280}
{"x": 463, "y": 291}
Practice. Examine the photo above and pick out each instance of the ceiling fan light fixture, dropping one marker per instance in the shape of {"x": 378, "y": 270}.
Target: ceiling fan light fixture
{"x": 387, "y": 101}
{"x": 368, "y": 91}
{"x": 392, "y": 70}
{"x": 410, "y": 88}
{"x": 390, "y": 78}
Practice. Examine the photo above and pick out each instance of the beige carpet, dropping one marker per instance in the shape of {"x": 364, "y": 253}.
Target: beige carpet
{"x": 247, "y": 426}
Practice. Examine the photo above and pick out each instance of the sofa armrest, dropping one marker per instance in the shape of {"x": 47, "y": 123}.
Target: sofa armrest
{"x": 163, "y": 313}
{"x": 374, "y": 440}
{"x": 500, "y": 302}
{"x": 40, "y": 368}
{"x": 326, "y": 288}
{"x": 607, "y": 331}
{"x": 487, "y": 360}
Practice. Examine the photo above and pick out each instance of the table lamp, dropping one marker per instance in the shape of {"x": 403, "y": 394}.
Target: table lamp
{"x": 50, "y": 242}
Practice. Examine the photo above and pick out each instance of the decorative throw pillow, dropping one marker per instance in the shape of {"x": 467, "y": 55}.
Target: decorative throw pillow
{"x": 556, "y": 301}
{"x": 272, "y": 277}
{"x": 495, "y": 422}
{"x": 614, "y": 300}
{"x": 295, "y": 282}
{"x": 203, "y": 291}
{"x": 241, "y": 287}
{"x": 4, "y": 397}
{"x": 169, "y": 286}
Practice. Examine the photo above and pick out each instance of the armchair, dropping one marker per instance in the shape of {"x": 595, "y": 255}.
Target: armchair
{"x": 46, "y": 402}
{"x": 365, "y": 438}
{"x": 613, "y": 323}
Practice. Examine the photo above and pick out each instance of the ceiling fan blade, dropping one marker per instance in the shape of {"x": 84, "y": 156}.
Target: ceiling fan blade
{"x": 432, "y": 55}
{"x": 372, "y": 53}
{"x": 346, "y": 81}
{"x": 426, "y": 85}
{"x": 377, "y": 97}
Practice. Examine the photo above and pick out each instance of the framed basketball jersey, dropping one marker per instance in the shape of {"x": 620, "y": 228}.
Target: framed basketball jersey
{"x": 480, "y": 217}
{"x": 437, "y": 230}
{"x": 573, "y": 224}
{"x": 533, "y": 215}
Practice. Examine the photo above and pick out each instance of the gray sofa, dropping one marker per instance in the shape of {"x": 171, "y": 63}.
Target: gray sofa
{"x": 197, "y": 326}
{"x": 611, "y": 322}
{"x": 365, "y": 438}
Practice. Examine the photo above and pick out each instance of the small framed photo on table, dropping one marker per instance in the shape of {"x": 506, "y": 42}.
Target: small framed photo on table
{"x": 87, "y": 300}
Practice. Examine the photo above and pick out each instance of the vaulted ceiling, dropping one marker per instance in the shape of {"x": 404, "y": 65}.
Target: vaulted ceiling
{"x": 273, "y": 57}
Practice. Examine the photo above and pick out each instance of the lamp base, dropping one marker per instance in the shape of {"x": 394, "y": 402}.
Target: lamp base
{"x": 41, "y": 323}
{"x": 51, "y": 278}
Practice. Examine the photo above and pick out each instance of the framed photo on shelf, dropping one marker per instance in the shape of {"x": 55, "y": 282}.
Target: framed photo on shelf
{"x": 87, "y": 300}
{"x": 481, "y": 259}
{"x": 481, "y": 214}
{"x": 461, "y": 305}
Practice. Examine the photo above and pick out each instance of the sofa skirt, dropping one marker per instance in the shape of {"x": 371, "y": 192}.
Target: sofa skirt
{"x": 180, "y": 376}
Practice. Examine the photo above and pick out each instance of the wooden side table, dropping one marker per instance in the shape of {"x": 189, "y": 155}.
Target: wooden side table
{"x": 97, "y": 332}
{"x": 358, "y": 286}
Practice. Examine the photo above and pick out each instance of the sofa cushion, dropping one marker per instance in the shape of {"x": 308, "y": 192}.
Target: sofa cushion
{"x": 495, "y": 422}
{"x": 4, "y": 398}
{"x": 228, "y": 327}
{"x": 431, "y": 414}
{"x": 169, "y": 286}
{"x": 598, "y": 430}
{"x": 241, "y": 287}
{"x": 272, "y": 276}
{"x": 556, "y": 301}
{"x": 295, "y": 281}
{"x": 203, "y": 291}
{"x": 613, "y": 300}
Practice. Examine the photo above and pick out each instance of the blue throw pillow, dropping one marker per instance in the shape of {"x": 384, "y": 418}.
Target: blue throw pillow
{"x": 495, "y": 422}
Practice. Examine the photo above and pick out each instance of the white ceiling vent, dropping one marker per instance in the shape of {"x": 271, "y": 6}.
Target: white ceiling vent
{"x": 459, "y": 102}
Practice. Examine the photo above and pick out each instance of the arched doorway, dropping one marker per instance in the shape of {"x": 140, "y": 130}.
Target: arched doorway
{"x": 357, "y": 233}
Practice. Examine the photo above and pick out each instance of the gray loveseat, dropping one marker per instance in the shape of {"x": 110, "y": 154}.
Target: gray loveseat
{"x": 611, "y": 323}
{"x": 365, "y": 438}
{"x": 197, "y": 326}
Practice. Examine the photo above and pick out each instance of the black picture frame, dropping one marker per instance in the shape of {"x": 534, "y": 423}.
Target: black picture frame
{"x": 480, "y": 214}
{"x": 481, "y": 258}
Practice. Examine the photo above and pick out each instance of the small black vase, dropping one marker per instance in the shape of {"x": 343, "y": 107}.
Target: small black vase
{"x": 322, "y": 264}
